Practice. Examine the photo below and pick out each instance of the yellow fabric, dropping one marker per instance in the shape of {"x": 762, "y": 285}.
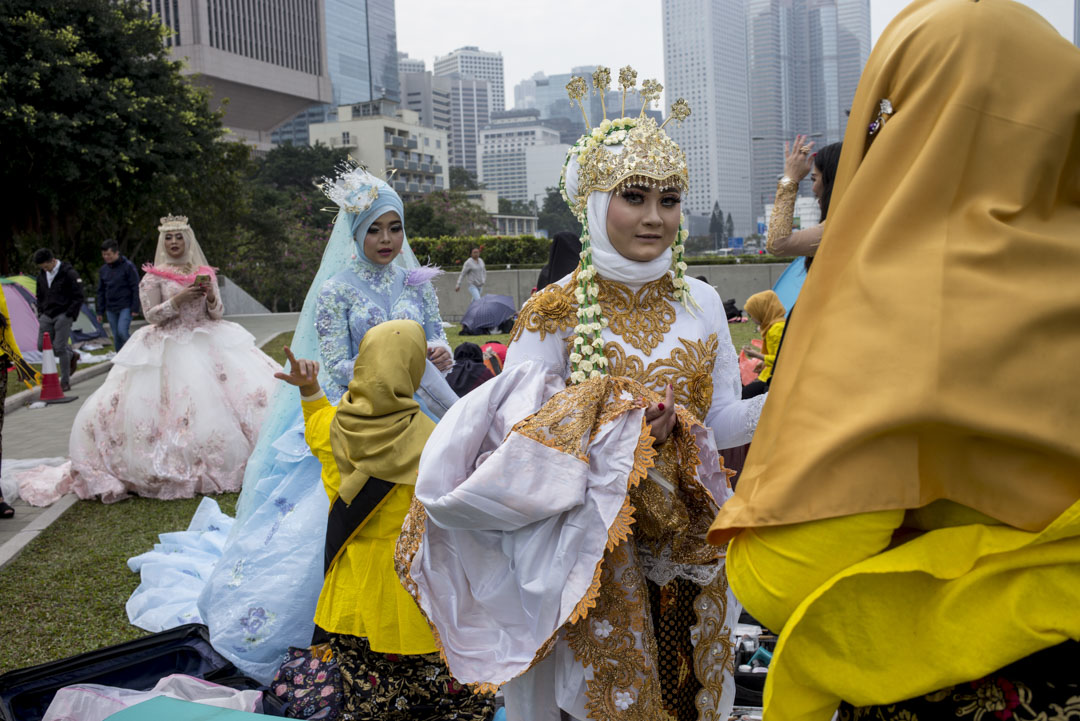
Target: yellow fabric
{"x": 946, "y": 608}
{"x": 379, "y": 429}
{"x": 361, "y": 595}
{"x": 771, "y": 341}
{"x": 9, "y": 331}
{"x": 948, "y": 266}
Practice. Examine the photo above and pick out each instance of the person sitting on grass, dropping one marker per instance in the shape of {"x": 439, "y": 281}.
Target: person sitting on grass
{"x": 369, "y": 446}
{"x": 768, "y": 312}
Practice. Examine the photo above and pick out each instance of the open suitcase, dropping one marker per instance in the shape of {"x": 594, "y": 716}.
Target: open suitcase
{"x": 26, "y": 693}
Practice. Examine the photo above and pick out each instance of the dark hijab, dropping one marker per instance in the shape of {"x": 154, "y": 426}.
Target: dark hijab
{"x": 469, "y": 370}
{"x": 563, "y": 258}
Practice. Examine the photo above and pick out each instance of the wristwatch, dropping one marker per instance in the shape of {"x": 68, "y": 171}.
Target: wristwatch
{"x": 788, "y": 183}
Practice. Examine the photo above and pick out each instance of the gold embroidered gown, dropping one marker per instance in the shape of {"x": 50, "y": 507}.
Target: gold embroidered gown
{"x": 565, "y": 553}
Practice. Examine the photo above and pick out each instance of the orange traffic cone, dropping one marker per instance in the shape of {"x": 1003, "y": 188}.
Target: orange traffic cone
{"x": 50, "y": 381}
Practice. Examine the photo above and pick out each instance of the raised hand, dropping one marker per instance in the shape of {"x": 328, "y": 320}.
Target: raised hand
{"x": 303, "y": 373}
{"x": 798, "y": 158}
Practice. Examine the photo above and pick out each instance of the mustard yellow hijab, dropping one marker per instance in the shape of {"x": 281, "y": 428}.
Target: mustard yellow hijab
{"x": 765, "y": 308}
{"x": 947, "y": 280}
{"x": 379, "y": 429}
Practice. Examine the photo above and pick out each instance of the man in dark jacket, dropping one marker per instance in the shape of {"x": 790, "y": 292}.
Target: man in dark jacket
{"x": 117, "y": 292}
{"x": 59, "y": 299}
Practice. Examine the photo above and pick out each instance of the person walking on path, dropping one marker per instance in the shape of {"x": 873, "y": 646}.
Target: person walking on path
{"x": 117, "y": 292}
{"x": 59, "y": 298}
{"x": 473, "y": 275}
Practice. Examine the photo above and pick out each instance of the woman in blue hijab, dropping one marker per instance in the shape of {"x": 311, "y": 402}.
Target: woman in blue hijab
{"x": 255, "y": 581}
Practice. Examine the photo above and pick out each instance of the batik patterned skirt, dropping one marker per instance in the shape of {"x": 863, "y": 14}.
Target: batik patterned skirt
{"x": 394, "y": 687}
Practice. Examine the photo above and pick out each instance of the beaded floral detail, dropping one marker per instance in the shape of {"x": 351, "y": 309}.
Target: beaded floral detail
{"x": 353, "y": 302}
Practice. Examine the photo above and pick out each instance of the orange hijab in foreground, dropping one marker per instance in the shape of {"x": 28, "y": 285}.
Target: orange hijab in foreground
{"x": 939, "y": 331}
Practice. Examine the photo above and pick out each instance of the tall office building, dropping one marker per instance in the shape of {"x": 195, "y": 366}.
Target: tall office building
{"x": 472, "y": 62}
{"x": 805, "y": 60}
{"x": 428, "y": 96}
{"x": 705, "y": 62}
{"x": 502, "y": 163}
{"x": 1076, "y": 23}
{"x": 269, "y": 64}
{"x": 470, "y": 111}
{"x": 362, "y": 58}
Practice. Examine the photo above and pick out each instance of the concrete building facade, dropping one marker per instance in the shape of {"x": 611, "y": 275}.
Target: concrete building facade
{"x": 543, "y": 169}
{"x": 705, "y": 62}
{"x": 502, "y": 151}
{"x": 386, "y": 138}
{"x": 469, "y": 113}
{"x": 472, "y": 62}
{"x": 429, "y": 96}
{"x": 405, "y": 64}
{"x": 362, "y": 60}
{"x": 268, "y": 64}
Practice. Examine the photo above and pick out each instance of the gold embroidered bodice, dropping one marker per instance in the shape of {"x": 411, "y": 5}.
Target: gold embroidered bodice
{"x": 641, "y": 320}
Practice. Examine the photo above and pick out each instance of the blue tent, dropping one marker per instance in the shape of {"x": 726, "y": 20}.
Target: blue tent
{"x": 790, "y": 282}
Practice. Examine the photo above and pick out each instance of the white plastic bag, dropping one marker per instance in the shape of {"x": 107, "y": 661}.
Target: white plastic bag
{"x": 94, "y": 702}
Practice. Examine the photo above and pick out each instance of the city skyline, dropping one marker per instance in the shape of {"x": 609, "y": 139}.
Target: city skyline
{"x": 563, "y": 34}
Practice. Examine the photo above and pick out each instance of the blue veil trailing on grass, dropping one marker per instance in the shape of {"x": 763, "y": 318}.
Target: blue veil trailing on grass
{"x": 255, "y": 581}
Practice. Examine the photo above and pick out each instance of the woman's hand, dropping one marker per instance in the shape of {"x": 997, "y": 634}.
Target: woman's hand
{"x": 798, "y": 158}
{"x": 661, "y": 416}
{"x": 192, "y": 293}
{"x": 440, "y": 357}
{"x": 303, "y": 373}
{"x": 211, "y": 291}
{"x": 752, "y": 352}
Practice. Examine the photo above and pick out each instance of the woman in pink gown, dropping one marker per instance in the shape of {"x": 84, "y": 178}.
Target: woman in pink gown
{"x": 182, "y": 406}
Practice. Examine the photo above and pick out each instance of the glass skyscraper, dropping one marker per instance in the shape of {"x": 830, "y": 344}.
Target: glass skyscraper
{"x": 805, "y": 59}
{"x": 362, "y": 58}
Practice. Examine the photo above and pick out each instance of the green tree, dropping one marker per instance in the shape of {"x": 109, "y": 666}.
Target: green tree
{"x": 100, "y": 133}
{"x": 556, "y": 216}
{"x": 729, "y": 227}
{"x": 463, "y": 179}
{"x": 445, "y": 213}
{"x": 516, "y": 207}
{"x": 298, "y": 167}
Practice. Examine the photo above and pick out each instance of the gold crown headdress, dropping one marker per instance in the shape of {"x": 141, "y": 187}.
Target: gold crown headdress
{"x": 648, "y": 157}
{"x": 173, "y": 222}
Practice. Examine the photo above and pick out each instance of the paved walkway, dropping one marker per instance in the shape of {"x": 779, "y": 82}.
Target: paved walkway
{"x": 43, "y": 433}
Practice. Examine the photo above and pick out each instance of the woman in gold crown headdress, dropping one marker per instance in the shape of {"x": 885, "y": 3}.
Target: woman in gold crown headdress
{"x": 565, "y": 552}
{"x": 912, "y": 530}
{"x": 181, "y": 408}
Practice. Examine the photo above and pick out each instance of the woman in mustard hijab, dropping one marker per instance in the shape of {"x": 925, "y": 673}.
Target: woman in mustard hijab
{"x": 768, "y": 312}
{"x": 914, "y": 526}
{"x": 369, "y": 446}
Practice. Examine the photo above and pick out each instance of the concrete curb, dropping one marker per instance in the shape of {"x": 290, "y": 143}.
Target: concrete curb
{"x": 10, "y": 550}
{"x": 24, "y": 398}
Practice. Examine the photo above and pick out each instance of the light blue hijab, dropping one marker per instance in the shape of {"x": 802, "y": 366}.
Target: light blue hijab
{"x": 342, "y": 247}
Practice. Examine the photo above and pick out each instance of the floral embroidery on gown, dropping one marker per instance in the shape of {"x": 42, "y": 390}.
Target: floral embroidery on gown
{"x": 178, "y": 414}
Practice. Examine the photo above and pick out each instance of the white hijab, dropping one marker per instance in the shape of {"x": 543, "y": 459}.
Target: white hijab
{"x": 610, "y": 264}
{"x": 192, "y": 252}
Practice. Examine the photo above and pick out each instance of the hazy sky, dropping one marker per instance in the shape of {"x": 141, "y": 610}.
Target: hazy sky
{"x": 555, "y": 35}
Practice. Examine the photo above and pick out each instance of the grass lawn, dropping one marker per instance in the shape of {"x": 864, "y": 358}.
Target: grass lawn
{"x": 65, "y": 593}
